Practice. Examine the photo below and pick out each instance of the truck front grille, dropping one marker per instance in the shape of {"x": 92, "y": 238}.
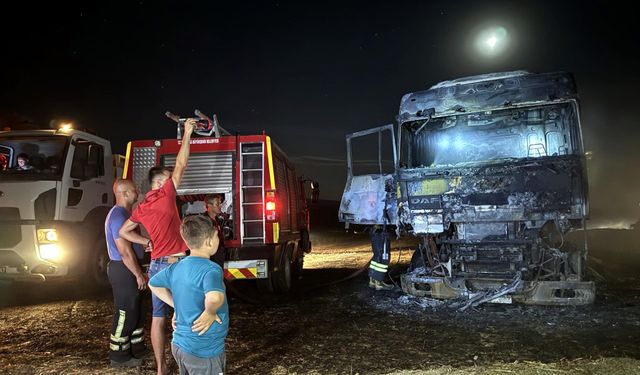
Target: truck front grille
{"x": 10, "y": 231}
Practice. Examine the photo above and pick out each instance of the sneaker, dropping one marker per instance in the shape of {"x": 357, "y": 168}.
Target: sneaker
{"x": 132, "y": 362}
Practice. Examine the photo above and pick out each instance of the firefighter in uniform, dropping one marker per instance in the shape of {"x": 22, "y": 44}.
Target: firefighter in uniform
{"x": 213, "y": 203}
{"x": 127, "y": 281}
{"x": 379, "y": 265}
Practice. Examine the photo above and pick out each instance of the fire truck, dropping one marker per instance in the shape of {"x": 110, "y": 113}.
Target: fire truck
{"x": 52, "y": 214}
{"x": 267, "y": 231}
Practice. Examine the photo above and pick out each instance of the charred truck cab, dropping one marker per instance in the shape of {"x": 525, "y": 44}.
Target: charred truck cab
{"x": 491, "y": 175}
{"x": 266, "y": 233}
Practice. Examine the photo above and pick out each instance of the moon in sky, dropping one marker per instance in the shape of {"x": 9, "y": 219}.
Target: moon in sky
{"x": 492, "y": 41}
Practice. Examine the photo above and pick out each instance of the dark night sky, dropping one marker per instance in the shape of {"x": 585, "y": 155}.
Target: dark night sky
{"x": 309, "y": 73}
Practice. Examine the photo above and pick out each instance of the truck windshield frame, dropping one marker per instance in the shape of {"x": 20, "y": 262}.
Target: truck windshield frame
{"x": 47, "y": 154}
{"x": 513, "y": 133}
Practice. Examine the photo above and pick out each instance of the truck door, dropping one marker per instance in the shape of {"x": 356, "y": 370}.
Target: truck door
{"x": 85, "y": 183}
{"x": 370, "y": 177}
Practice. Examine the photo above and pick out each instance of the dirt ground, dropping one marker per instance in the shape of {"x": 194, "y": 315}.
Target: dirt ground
{"x": 344, "y": 328}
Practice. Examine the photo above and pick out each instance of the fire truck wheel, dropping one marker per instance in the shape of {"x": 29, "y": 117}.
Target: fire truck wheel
{"x": 282, "y": 278}
{"x": 98, "y": 263}
{"x": 297, "y": 266}
{"x": 305, "y": 244}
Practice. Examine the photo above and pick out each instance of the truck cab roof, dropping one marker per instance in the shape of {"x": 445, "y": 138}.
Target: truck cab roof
{"x": 45, "y": 132}
{"x": 486, "y": 92}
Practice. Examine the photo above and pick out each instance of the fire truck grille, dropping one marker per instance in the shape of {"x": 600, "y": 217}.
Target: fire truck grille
{"x": 206, "y": 173}
{"x": 10, "y": 233}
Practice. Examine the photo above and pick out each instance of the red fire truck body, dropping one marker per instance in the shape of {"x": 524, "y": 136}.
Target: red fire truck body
{"x": 268, "y": 226}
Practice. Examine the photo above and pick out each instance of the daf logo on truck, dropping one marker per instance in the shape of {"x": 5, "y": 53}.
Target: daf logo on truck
{"x": 432, "y": 201}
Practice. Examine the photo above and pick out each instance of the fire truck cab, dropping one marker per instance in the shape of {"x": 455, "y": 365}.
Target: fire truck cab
{"x": 267, "y": 230}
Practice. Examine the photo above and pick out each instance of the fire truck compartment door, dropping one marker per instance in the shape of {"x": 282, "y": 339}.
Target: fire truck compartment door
{"x": 364, "y": 200}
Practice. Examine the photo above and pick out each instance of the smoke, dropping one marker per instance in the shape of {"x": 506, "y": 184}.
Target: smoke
{"x": 611, "y": 134}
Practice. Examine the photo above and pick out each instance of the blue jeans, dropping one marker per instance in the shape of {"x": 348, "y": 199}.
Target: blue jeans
{"x": 160, "y": 309}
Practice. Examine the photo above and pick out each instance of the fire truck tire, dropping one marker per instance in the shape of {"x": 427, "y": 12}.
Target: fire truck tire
{"x": 98, "y": 263}
{"x": 305, "y": 244}
{"x": 282, "y": 279}
{"x": 298, "y": 265}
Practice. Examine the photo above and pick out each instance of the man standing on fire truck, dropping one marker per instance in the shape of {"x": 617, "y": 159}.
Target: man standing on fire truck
{"x": 158, "y": 213}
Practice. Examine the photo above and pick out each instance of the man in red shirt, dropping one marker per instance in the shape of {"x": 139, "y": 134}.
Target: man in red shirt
{"x": 158, "y": 213}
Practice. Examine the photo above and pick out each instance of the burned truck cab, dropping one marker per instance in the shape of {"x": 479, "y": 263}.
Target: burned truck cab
{"x": 491, "y": 176}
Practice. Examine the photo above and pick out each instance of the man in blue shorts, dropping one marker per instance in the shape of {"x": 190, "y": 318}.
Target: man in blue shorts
{"x": 194, "y": 287}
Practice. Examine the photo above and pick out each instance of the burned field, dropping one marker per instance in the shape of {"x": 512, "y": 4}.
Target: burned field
{"x": 335, "y": 328}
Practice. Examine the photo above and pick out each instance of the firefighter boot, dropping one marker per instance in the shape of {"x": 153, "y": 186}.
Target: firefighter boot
{"x": 379, "y": 285}
{"x": 372, "y": 283}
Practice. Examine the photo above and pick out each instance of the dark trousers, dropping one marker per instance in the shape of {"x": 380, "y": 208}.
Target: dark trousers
{"x": 127, "y": 335}
{"x": 218, "y": 257}
{"x": 381, "y": 247}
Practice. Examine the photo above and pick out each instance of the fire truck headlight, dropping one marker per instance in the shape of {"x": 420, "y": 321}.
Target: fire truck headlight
{"x": 47, "y": 235}
{"x": 50, "y": 251}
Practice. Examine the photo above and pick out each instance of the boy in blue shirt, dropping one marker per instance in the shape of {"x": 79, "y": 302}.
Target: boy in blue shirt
{"x": 194, "y": 287}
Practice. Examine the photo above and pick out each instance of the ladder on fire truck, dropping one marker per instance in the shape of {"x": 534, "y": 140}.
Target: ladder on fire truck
{"x": 252, "y": 190}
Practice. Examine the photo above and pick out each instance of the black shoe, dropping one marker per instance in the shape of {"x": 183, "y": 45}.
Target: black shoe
{"x": 132, "y": 362}
{"x": 141, "y": 353}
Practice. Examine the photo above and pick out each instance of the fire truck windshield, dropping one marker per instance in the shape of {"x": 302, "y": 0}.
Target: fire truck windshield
{"x": 32, "y": 157}
{"x": 516, "y": 133}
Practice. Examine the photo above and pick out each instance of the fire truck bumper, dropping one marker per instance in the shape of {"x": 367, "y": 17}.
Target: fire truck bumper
{"x": 246, "y": 269}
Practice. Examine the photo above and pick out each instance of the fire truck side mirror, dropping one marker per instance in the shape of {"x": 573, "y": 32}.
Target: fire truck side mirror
{"x": 315, "y": 191}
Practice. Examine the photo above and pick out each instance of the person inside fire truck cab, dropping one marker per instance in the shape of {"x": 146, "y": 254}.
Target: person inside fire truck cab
{"x": 127, "y": 282}
{"x": 23, "y": 163}
{"x": 4, "y": 162}
{"x": 158, "y": 213}
{"x": 213, "y": 203}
